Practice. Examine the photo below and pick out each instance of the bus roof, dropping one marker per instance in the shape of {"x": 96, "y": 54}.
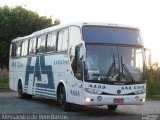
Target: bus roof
{"x": 79, "y": 24}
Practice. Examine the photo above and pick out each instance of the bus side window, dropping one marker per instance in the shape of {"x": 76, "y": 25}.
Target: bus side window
{"x": 13, "y": 52}
{"x": 41, "y": 44}
{"x": 74, "y": 40}
{"x": 18, "y": 49}
{"x": 51, "y": 42}
{"x": 24, "y": 48}
{"x": 63, "y": 40}
{"x": 32, "y": 45}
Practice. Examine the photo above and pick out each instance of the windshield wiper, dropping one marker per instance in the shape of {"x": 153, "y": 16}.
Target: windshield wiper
{"x": 124, "y": 67}
{"x": 111, "y": 68}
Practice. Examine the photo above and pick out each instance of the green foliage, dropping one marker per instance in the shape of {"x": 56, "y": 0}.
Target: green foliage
{"x": 16, "y": 22}
{"x": 153, "y": 80}
{"x": 4, "y": 86}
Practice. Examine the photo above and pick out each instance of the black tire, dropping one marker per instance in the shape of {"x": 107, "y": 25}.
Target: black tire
{"x": 62, "y": 99}
{"x": 22, "y": 95}
{"x": 112, "y": 107}
{"x": 27, "y": 96}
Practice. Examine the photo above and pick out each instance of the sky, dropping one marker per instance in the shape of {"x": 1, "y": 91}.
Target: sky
{"x": 145, "y": 14}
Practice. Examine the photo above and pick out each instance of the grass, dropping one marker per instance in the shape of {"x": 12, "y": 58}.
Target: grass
{"x": 5, "y": 90}
{"x": 4, "y": 86}
{"x": 153, "y": 97}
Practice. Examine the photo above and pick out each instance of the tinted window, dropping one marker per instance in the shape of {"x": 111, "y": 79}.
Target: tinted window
{"x": 74, "y": 40}
{"x": 63, "y": 40}
{"x": 51, "y": 42}
{"x": 24, "y": 47}
{"x": 78, "y": 70}
{"x": 17, "y": 49}
{"x": 13, "y": 53}
{"x": 41, "y": 44}
{"x": 111, "y": 35}
{"x": 32, "y": 46}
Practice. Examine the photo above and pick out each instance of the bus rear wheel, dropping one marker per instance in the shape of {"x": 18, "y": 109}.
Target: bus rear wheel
{"x": 62, "y": 98}
{"x": 22, "y": 95}
{"x": 112, "y": 107}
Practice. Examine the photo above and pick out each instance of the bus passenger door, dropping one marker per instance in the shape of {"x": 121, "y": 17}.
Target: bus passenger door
{"x": 12, "y": 66}
{"x": 31, "y": 76}
{"x": 76, "y": 85}
{"x": 30, "y": 84}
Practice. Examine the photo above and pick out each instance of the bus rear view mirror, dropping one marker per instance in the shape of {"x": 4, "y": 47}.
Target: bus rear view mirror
{"x": 82, "y": 52}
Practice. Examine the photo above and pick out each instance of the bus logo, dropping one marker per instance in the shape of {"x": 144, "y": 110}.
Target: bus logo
{"x": 38, "y": 71}
{"x": 118, "y": 91}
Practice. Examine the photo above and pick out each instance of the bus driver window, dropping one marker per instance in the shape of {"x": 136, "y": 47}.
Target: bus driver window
{"x": 77, "y": 64}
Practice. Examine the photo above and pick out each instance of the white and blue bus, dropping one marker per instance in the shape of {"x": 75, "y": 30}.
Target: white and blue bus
{"x": 80, "y": 63}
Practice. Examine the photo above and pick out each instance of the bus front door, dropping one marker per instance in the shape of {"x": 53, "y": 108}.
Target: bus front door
{"x": 76, "y": 85}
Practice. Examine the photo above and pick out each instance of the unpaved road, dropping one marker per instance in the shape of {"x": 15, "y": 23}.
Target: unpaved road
{"x": 41, "y": 108}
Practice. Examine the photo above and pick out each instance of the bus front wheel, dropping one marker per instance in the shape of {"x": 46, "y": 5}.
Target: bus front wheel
{"x": 112, "y": 107}
{"x": 62, "y": 98}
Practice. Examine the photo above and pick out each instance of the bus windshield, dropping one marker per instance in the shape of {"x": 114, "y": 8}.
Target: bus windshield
{"x": 114, "y": 63}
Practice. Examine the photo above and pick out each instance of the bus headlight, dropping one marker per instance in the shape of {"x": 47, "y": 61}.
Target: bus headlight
{"x": 143, "y": 100}
{"x": 88, "y": 99}
{"x": 140, "y": 92}
{"x": 92, "y": 91}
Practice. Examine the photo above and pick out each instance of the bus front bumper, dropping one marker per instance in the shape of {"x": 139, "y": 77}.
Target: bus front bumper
{"x": 93, "y": 99}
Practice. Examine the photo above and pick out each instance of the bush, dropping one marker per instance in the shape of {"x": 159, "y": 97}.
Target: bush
{"x": 4, "y": 75}
{"x": 153, "y": 80}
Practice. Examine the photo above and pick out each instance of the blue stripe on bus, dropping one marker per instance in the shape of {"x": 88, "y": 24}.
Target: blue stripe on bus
{"x": 50, "y": 89}
{"x": 41, "y": 92}
{"x": 25, "y": 89}
{"x": 25, "y": 86}
{"x": 29, "y": 70}
{"x": 45, "y": 89}
{"x": 37, "y": 71}
{"x": 40, "y": 88}
{"x": 45, "y": 95}
{"x": 46, "y": 92}
{"x": 46, "y": 69}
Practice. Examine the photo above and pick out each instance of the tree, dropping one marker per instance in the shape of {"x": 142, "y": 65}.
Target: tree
{"x": 153, "y": 79}
{"x": 16, "y": 22}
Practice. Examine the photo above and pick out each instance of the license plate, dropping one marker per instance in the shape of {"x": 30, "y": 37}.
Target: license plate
{"x": 118, "y": 100}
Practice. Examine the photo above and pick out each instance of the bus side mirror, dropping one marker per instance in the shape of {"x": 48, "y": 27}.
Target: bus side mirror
{"x": 82, "y": 52}
{"x": 148, "y": 56}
